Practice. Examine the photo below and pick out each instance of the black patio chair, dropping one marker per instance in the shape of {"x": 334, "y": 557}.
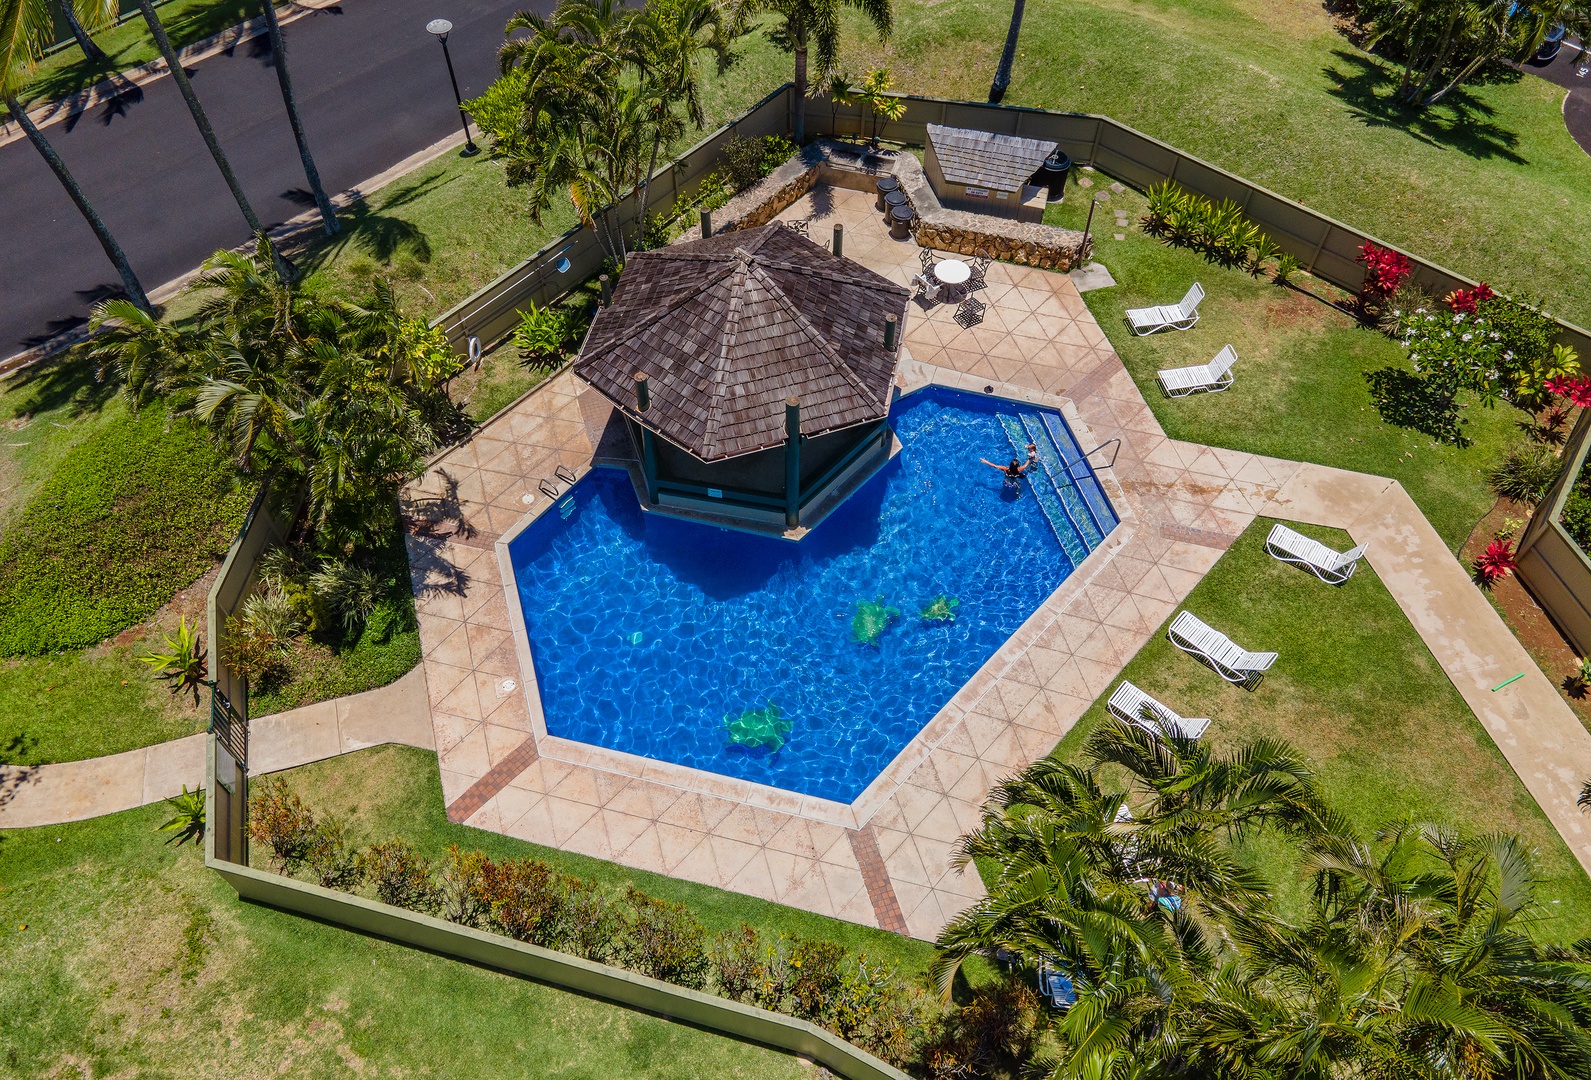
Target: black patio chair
{"x": 927, "y": 256}
{"x": 800, "y": 225}
{"x": 976, "y": 281}
{"x": 970, "y": 313}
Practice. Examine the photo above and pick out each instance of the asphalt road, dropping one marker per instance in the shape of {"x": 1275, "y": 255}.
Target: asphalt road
{"x": 1564, "y": 69}
{"x": 372, "y": 89}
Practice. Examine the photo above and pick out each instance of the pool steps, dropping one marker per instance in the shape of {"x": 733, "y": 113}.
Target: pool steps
{"x": 1060, "y": 518}
{"x": 1079, "y": 514}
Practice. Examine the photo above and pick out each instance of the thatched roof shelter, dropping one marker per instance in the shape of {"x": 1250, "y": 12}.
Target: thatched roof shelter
{"x": 728, "y": 327}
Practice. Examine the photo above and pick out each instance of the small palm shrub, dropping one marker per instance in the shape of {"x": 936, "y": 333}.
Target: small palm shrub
{"x": 181, "y": 661}
{"x": 1525, "y": 473}
{"x": 1219, "y": 230}
{"x": 1286, "y": 267}
{"x": 188, "y": 821}
{"x": 351, "y": 592}
{"x": 545, "y": 333}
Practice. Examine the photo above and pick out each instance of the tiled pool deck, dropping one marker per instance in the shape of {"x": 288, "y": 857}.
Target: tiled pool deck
{"x": 883, "y": 860}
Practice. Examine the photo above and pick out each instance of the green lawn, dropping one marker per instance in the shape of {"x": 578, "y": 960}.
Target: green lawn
{"x": 1488, "y": 182}
{"x": 128, "y": 45}
{"x": 83, "y": 704}
{"x": 396, "y": 791}
{"x": 1357, "y": 691}
{"x": 1300, "y": 391}
{"x": 128, "y": 958}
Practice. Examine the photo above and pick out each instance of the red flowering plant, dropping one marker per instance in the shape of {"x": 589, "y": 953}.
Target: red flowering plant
{"x": 1496, "y": 562}
{"x": 1466, "y": 301}
{"x": 1385, "y": 270}
{"x": 1575, "y": 389}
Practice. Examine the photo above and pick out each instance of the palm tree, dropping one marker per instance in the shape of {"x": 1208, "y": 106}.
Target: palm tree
{"x": 95, "y": 15}
{"x": 206, "y": 132}
{"x": 810, "y": 29}
{"x": 673, "y": 36}
{"x": 1002, "y": 75}
{"x": 23, "y": 30}
{"x": 328, "y": 216}
{"x": 585, "y": 123}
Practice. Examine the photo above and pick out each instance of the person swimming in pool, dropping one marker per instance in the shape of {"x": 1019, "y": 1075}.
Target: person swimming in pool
{"x": 1014, "y": 471}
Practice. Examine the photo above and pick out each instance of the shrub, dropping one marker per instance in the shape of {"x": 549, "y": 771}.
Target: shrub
{"x": 1530, "y": 356}
{"x": 183, "y": 660}
{"x": 349, "y": 591}
{"x": 591, "y": 928}
{"x": 525, "y": 900}
{"x": 333, "y": 863}
{"x": 1385, "y": 270}
{"x": 747, "y": 160}
{"x": 738, "y": 963}
{"x": 1410, "y": 296}
{"x": 188, "y": 821}
{"x": 1286, "y": 267}
{"x": 664, "y": 940}
{"x": 1525, "y": 473}
{"x": 816, "y": 978}
{"x": 1466, "y": 301}
{"x": 129, "y": 516}
{"x": 996, "y": 1029}
{"x": 400, "y": 876}
{"x": 279, "y": 820}
{"x": 1576, "y": 390}
{"x": 1496, "y": 562}
{"x": 462, "y": 891}
{"x": 269, "y": 613}
{"x": 544, "y": 333}
{"x": 1576, "y": 518}
{"x": 1219, "y": 230}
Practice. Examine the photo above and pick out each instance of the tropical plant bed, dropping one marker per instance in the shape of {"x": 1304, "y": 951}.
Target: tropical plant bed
{"x": 212, "y": 987}
{"x": 374, "y": 823}
{"x": 1542, "y": 640}
{"x": 1356, "y": 690}
{"x": 1303, "y": 375}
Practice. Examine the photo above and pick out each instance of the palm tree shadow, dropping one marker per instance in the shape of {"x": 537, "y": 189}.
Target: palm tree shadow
{"x": 1460, "y": 121}
{"x": 64, "y": 380}
{"x": 372, "y": 230}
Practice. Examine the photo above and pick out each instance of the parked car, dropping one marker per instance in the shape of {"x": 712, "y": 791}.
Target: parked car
{"x": 1552, "y": 43}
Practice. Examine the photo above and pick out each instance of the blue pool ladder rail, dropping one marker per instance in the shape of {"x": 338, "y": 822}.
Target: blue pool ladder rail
{"x": 1057, "y": 468}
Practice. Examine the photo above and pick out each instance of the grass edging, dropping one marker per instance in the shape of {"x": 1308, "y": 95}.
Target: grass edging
{"x": 611, "y": 984}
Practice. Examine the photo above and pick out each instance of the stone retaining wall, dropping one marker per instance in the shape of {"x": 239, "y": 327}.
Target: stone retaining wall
{"x": 958, "y": 231}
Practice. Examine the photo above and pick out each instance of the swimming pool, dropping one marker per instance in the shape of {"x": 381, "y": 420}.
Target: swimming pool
{"x": 739, "y": 654}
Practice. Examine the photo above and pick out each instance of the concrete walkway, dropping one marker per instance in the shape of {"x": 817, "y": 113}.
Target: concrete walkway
{"x": 76, "y": 790}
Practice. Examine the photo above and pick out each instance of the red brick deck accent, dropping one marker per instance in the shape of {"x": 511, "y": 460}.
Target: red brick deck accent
{"x": 496, "y": 779}
{"x": 880, "y": 890}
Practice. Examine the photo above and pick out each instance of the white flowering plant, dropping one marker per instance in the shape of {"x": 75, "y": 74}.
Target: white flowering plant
{"x": 1450, "y": 352}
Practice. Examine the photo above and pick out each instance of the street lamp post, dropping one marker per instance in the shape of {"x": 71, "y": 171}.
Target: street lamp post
{"x": 441, "y": 28}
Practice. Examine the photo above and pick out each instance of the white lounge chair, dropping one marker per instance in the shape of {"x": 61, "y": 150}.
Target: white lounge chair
{"x": 1212, "y": 377}
{"x": 1231, "y": 661}
{"x": 1149, "y": 320}
{"x": 1332, "y": 567}
{"x": 1130, "y": 704}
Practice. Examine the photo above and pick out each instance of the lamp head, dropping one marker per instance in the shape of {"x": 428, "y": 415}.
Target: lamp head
{"x": 440, "y": 27}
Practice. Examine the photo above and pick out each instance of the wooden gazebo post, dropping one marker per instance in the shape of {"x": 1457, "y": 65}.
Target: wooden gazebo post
{"x": 643, "y": 399}
{"x": 792, "y": 462}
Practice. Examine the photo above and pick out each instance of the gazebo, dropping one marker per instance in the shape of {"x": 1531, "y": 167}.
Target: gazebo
{"x": 754, "y": 369}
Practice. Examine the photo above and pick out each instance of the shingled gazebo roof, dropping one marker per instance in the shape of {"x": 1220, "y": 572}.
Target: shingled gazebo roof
{"x": 984, "y": 159}
{"x": 727, "y": 327}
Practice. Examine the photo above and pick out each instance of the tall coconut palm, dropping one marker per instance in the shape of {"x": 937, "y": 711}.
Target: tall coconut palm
{"x": 85, "y": 17}
{"x": 673, "y": 37}
{"x": 206, "y": 132}
{"x": 24, "y": 25}
{"x": 328, "y": 216}
{"x": 1002, "y": 74}
{"x": 810, "y": 30}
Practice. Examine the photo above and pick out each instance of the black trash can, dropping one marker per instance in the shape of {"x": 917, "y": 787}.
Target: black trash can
{"x": 900, "y": 221}
{"x": 893, "y": 199}
{"x": 1052, "y": 174}
{"x": 885, "y": 185}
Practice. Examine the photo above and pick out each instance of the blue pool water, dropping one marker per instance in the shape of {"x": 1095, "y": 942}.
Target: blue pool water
{"x": 649, "y": 633}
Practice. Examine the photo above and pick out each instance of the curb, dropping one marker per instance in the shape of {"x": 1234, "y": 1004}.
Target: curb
{"x": 53, "y": 112}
